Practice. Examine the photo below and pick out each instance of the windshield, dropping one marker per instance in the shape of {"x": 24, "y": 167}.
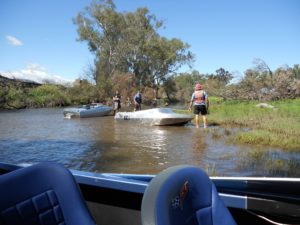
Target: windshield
{"x": 77, "y": 79}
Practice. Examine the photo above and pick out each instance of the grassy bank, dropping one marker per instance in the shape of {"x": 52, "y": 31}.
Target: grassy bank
{"x": 278, "y": 127}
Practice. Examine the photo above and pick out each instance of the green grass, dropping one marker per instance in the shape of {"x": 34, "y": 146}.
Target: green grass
{"x": 279, "y": 127}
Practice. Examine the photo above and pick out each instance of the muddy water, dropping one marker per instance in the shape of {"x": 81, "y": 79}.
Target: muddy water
{"x": 105, "y": 145}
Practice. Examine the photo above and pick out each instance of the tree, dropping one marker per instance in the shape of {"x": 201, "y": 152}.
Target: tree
{"x": 83, "y": 93}
{"x": 165, "y": 57}
{"x": 286, "y": 85}
{"x": 223, "y": 76}
{"x": 102, "y": 28}
{"x": 141, "y": 31}
{"x": 185, "y": 83}
{"x": 261, "y": 66}
{"x": 216, "y": 83}
{"x": 266, "y": 75}
{"x": 296, "y": 71}
{"x": 129, "y": 43}
{"x": 170, "y": 88}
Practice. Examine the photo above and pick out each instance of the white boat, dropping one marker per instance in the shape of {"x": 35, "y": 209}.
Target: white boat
{"x": 156, "y": 116}
{"x": 92, "y": 110}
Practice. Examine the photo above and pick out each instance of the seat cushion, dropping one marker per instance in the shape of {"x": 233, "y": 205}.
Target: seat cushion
{"x": 42, "y": 194}
{"x": 183, "y": 195}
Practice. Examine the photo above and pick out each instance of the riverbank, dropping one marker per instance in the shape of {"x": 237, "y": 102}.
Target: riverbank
{"x": 277, "y": 127}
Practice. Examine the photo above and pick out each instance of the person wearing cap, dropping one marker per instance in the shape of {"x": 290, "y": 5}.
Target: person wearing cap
{"x": 200, "y": 101}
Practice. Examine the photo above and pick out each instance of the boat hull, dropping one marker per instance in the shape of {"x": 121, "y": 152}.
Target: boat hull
{"x": 85, "y": 112}
{"x": 156, "y": 117}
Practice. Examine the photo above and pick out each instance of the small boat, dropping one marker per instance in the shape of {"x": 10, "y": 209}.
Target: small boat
{"x": 118, "y": 198}
{"x": 92, "y": 110}
{"x": 156, "y": 116}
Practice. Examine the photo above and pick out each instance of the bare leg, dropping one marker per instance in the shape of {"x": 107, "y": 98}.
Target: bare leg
{"x": 134, "y": 107}
{"x": 204, "y": 121}
{"x": 197, "y": 121}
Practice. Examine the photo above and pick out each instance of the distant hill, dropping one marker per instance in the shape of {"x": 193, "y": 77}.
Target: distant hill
{"x": 4, "y": 81}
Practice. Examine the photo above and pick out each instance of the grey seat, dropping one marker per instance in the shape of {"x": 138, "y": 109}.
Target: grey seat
{"x": 43, "y": 194}
{"x": 183, "y": 195}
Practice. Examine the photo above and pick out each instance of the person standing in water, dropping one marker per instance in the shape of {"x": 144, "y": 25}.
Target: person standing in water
{"x": 137, "y": 101}
{"x": 200, "y": 101}
{"x": 117, "y": 102}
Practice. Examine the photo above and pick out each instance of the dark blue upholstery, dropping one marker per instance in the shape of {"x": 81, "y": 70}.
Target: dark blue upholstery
{"x": 43, "y": 194}
{"x": 183, "y": 195}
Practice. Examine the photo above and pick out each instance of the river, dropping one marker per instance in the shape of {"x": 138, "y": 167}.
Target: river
{"x": 103, "y": 144}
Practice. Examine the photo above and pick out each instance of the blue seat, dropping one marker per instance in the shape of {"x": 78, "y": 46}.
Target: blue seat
{"x": 42, "y": 194}
{"x": 183, "y": 195}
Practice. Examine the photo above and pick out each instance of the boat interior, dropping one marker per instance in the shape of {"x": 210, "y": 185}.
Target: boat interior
{"x": 178, "y": 195}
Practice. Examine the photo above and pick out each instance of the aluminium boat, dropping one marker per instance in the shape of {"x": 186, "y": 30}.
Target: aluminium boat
{"x": 117, "y": 198}
{"x": 156, "y": 116}
{"x": 92, "y": 110}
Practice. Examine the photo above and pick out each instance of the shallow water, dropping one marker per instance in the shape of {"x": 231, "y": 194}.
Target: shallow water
{"x": 103, "y": 144}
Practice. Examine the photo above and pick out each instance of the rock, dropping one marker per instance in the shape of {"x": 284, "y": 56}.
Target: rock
{"x": 265, "y": 105}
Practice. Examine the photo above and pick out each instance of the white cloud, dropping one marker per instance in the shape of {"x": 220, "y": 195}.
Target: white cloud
{"x": 13, "y": 41}
{"x": 37, "y": 73}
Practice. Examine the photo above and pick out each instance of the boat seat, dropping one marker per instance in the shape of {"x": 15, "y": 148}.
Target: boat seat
{"x": 183, "y": 195}
{"x": 41, "y": 194}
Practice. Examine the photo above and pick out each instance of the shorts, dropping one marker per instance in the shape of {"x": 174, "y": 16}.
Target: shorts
{"x": 200, "y": 109}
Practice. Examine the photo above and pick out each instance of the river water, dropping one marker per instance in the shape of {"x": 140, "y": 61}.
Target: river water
{"x": 103, "y": 144}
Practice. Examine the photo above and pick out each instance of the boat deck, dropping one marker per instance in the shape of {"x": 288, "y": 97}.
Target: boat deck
{"x": 116, "y": 198}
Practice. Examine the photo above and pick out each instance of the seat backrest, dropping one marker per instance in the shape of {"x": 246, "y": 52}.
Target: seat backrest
{"x": 41, "y": 194}
{"x": 183, "y": 195}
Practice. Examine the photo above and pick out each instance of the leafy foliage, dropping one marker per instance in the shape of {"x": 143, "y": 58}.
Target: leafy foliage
{"x": 257, "y": 85}
{"x": 48, "y": 95}
{"x": 129, "y": 43}
{"x": 82, "y": 93}
{"x": 15, "y": 98}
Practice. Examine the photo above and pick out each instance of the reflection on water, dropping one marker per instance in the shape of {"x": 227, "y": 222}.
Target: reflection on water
{"x": 105, "y": 145}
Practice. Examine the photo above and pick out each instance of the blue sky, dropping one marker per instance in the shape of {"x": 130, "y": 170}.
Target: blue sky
{"x": 38, "y": 37}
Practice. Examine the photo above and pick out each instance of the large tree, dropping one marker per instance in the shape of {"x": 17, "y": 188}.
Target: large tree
{"x": 166, "y": 57}
{"x": 129, "y": 42}
{"x": 101, "y": 27}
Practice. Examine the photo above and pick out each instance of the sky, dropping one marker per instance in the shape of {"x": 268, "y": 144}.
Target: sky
{"x": 38, "y": 39}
